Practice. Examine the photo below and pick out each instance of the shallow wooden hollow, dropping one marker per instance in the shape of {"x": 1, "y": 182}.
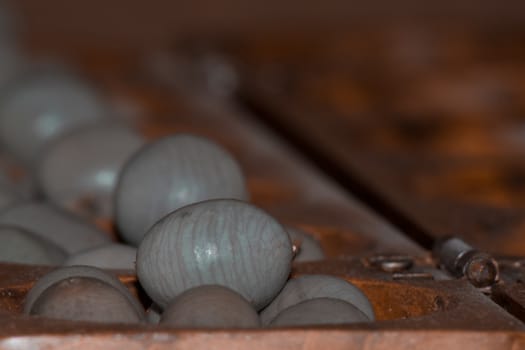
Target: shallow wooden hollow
{"x": 424, "y": 304}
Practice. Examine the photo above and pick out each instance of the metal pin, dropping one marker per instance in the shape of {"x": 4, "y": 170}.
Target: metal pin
{"x": 460, "y": 259}
{"x": 296, "y": 248}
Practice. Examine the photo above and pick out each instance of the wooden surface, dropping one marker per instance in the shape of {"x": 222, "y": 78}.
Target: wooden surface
{"x": 285, "y": 339}
{"x": 429, "y": 127}
{"x": 409, "y": 307}
{"x": 412, "y": 304}
{"x": 376, "y": 140}
{"x": 138, "y": 24}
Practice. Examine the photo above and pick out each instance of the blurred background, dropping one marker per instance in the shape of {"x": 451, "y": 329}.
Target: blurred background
{"x": 417, "y": 107}
{"x": 146, "y": 24}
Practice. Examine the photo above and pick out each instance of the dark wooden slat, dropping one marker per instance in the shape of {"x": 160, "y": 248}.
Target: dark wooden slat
{"x": 433, "y": 133}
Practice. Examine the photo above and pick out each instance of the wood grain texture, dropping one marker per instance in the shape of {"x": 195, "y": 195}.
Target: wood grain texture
{"x": 170, "y": 173}
{"x": 59, "y": 227}
{"x": 108, "y": 256}
{"x": 79, "y": 171}
{"x": 82, "y": 272}
{"x": 208, "y": 307}
{"x": 21, "y": 246}
{"x": 317, "y": 286}
{"x": 319, "y": 311}
{"x": 37, "y": 107}
{"x": 225, "y": 242}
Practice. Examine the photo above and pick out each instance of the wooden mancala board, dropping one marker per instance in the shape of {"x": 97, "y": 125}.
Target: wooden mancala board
{"x": 331, "y": 145}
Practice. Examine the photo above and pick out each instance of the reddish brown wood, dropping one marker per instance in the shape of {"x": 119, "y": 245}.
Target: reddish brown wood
{"x": 285, "y": 339}
{"x": 408, "y": 305}
{"x": 324, "y": 89}
{"x": 435, "y": 135}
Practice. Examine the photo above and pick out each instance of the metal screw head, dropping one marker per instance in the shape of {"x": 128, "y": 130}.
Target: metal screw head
{"x": 481, "y": 270}
{"x": 391, "y": 263}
